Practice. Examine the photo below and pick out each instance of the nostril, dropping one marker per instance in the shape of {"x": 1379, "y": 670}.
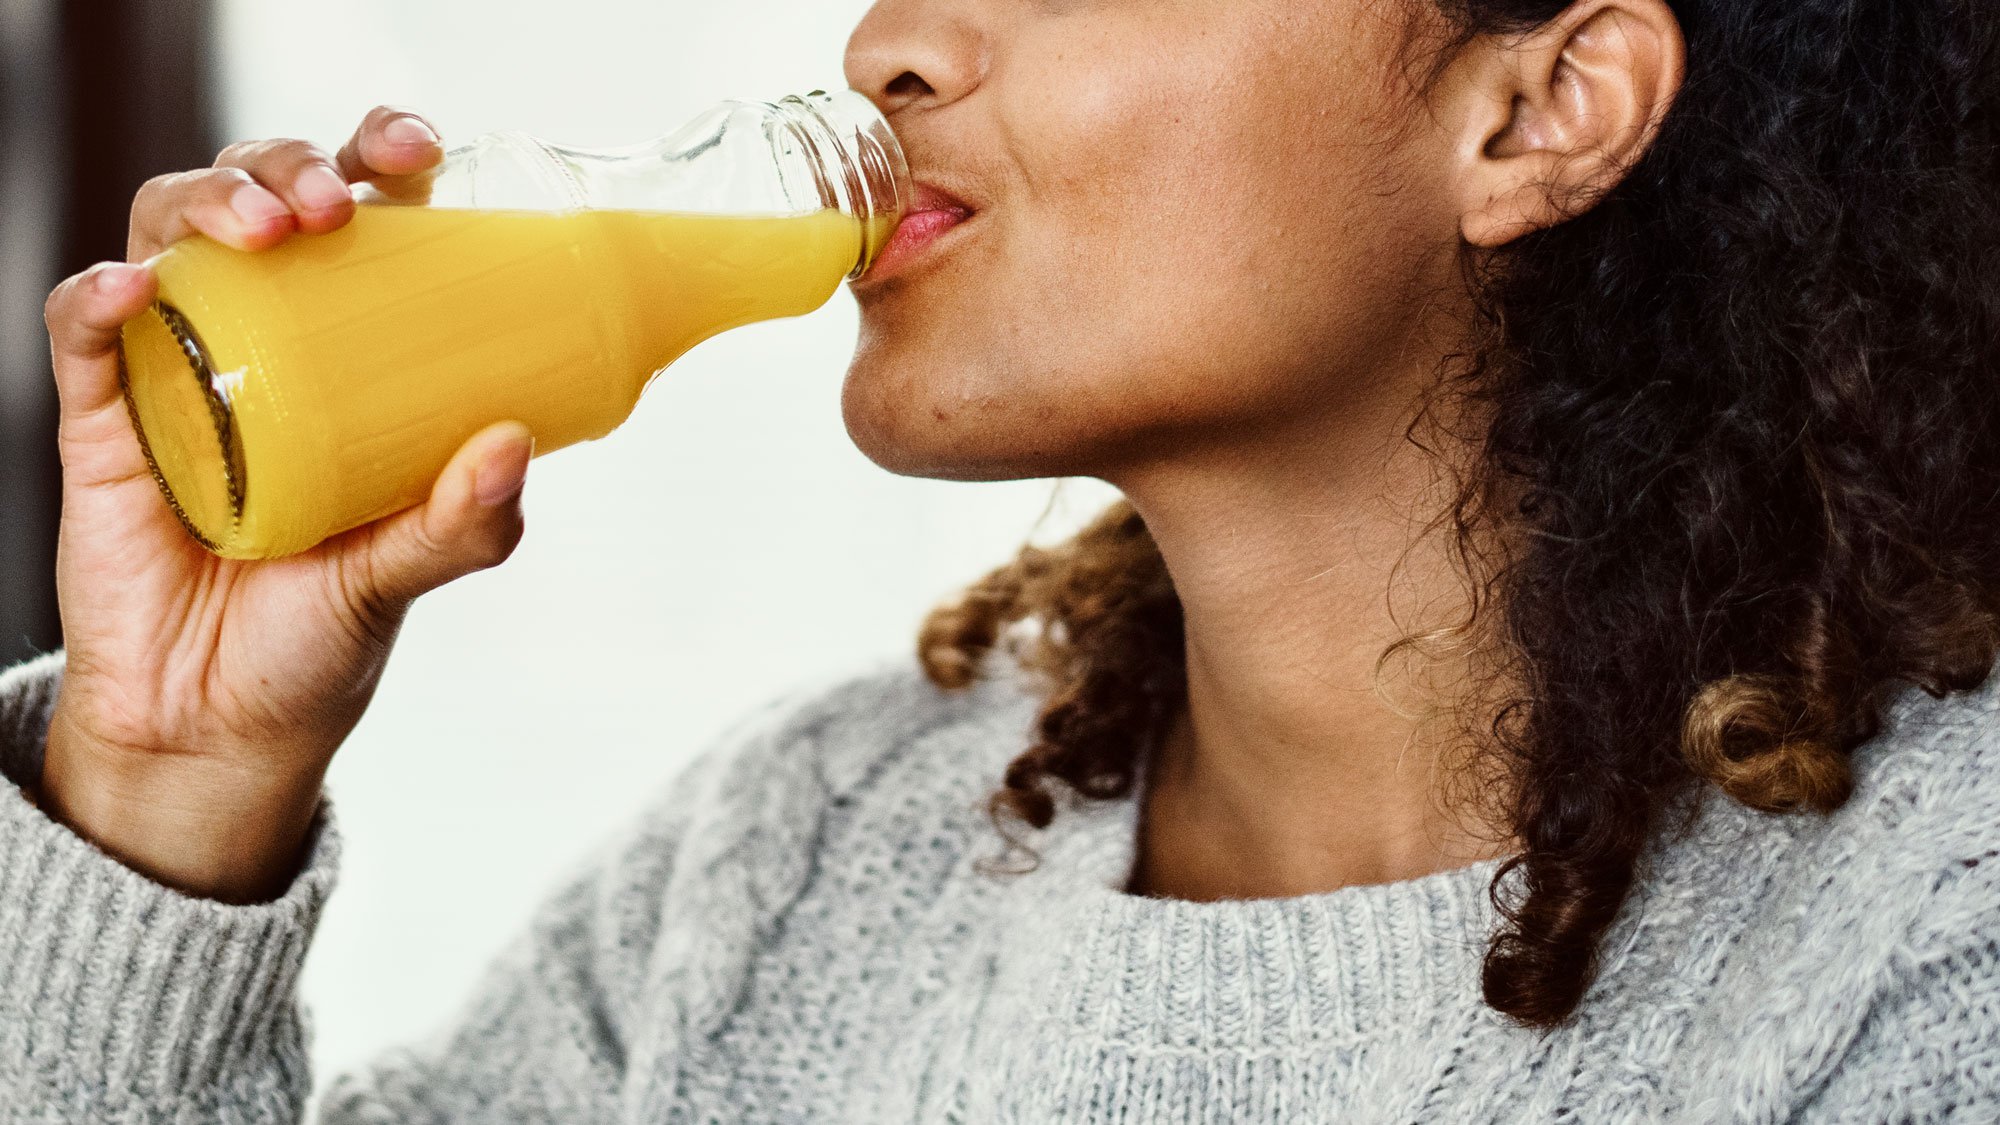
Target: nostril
{"x": 908, "y": 85}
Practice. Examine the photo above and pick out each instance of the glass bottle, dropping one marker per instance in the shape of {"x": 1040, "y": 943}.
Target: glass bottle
{"x": 283, "y": 396}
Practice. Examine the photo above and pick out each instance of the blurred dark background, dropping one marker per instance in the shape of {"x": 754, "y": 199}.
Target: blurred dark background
{"x": 95, "y": 97}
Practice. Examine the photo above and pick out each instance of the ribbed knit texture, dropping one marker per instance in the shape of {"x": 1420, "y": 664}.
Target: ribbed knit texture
{"x": 796, "y": 932}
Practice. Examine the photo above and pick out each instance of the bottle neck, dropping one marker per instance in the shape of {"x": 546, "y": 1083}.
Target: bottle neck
{"x": 856, "y": 162}
{"x": 816, "y": 151}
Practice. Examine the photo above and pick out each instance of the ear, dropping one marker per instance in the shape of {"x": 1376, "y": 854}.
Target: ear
{"x": 1550, "y": 120}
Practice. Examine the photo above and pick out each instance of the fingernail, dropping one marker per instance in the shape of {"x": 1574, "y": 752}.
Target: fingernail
{"x": 408, "y": 131}
{"x": 500, "y": 477}
{"x": 113, "y": 276}
{"x": 320, "y": 187}
{"x": 255, "y": 204}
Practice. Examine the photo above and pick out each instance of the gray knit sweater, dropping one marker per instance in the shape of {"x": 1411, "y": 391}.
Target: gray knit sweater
{"x": 795, "y": 933}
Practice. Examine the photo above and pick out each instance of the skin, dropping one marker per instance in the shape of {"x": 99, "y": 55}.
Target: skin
{"x": 1219, "y": 283}
{"x": 1212, "y": 262}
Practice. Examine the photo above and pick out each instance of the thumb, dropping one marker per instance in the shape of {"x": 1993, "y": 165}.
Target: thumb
{"x": 471, "y": 521}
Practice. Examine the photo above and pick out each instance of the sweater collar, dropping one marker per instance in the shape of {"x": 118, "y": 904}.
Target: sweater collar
{"x": 1304, "y": 971}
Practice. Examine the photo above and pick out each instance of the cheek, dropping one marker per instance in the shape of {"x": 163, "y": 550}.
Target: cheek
{"x": 1244, "y": 263}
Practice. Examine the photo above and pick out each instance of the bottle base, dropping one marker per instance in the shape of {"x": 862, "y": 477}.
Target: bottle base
{"x": 186, "y": 424}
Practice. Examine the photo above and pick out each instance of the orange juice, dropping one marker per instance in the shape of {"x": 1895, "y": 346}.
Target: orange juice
{"x": 286, "y": 395}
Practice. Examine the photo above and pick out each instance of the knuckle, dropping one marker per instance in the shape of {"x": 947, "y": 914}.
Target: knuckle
{"x": 499, "y": 546}
{"x": 55, "y": 310}
{"x": 220, "y": 183}
{"x": 235, "y": 152}
{"x": 163, "y": 192}
{"x": 155, "y": 185}
{"x": 426, "y": 541}
{"x": 147, "y": 198}
{"x": 290, "y": 150}
{"x": 265, "y": 151}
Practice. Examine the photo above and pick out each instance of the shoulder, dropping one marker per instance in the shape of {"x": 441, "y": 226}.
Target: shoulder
{"x": 836, "y": 736}
{"x": 1917, "y": 835}
{"x": 1927, "y": 804}
{"x": 1918, "y": 831}
{"x": 1934, "y": 752}
{"x": 1908, "y": 869}
{"x": 1845, "y": 950}
{"x": 756, "y": 799}
{"x": 1913, "y": 858}
{"x": 697, "y": 885}
{"x": 1910, "y": 878}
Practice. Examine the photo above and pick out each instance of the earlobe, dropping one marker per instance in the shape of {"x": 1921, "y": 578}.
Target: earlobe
{"x": 1583, "y": 96}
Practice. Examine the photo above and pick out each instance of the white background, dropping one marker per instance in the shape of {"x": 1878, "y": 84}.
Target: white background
{"x": 723, "y": 545}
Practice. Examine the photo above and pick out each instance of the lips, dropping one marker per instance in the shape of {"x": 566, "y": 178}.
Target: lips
{"x": 932, "y": 213}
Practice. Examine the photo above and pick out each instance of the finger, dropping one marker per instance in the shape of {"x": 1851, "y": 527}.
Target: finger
{"x": 84, "y": 314}
{"x": 299, "y": 173}
{"x": 395, "y": 149}
{"x": 390, "y": 141}
{"x": 471, "y": 521}
{"x": 226, "y": 204}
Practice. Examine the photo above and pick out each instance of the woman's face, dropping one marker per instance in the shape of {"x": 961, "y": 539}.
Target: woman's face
{"x": 1195, "y": 224}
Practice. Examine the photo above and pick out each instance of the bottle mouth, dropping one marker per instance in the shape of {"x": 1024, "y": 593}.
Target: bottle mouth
{"x": 188, "y": 429}
{"x": 860, "y": 165}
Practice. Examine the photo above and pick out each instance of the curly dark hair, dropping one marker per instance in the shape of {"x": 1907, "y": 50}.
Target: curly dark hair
{"x": 1743, "y": 416}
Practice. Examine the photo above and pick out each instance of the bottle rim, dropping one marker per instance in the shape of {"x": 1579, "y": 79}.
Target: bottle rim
{"x": 222, "y": 419}
{"x": 861, "y": 165}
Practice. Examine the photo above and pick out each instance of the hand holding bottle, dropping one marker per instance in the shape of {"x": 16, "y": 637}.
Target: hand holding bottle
{"x": 291, "y": 394}
{"x": 203, "y": 697}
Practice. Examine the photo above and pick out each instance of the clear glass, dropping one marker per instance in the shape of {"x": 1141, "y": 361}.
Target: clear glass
{"x": 288, "y": 395}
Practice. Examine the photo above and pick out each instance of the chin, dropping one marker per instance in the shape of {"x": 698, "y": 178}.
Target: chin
{"x": 899, "y": 427}
{"x": 917, "y": 419}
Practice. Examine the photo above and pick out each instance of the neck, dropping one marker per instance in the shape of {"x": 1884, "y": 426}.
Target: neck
{"x": 1297, "y": 564}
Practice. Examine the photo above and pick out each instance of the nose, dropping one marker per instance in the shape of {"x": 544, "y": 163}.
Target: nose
{"x": 908, "y": 54}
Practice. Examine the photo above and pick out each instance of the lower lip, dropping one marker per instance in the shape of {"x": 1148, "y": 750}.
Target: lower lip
{"x": 918, "y": 231}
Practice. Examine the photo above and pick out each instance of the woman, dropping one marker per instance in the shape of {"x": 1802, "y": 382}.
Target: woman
{"x": 1540, "y": 669}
